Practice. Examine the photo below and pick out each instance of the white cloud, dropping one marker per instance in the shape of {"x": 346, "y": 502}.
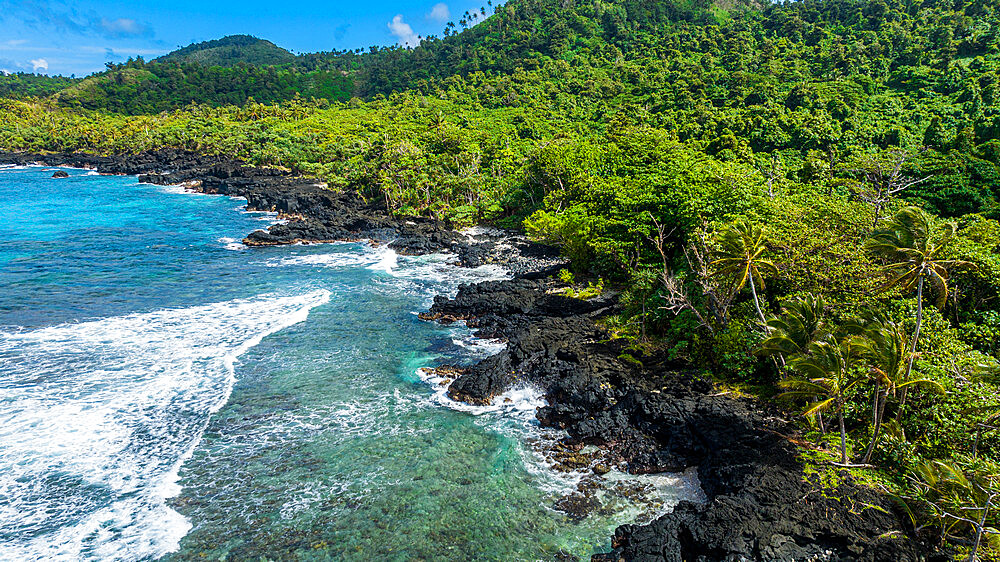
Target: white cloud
{"x": 123, "y": 27}
{"x": 439, "y": 13}
{"x": 402, "y": 31}
{"x": 39, "y": 64}
{"x": 126, "y": 51}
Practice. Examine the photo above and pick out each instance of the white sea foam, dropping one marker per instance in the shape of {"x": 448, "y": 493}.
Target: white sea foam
{"x": 232, "y": 244}
{"x": 474, "y": 231}
{"x": 269, "y": 217}
{"x": 659, "y": 493}
{"x": 176, "y": 189}
{"x": 97, "y": 418}
{"x": 437, "y": 273}
{"x": 332, "y": 260}
{"x": 388, "y": 259}
{"x": 476, "y": 348}
{"x": 92, "y": 173}
{"x": 518, "y": 401}
{"x": 442, "y": 268}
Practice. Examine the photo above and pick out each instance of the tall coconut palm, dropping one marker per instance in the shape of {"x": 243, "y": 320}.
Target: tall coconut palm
{"x": 884, "y": 346}
{"x": 827, "y": 372}
{"x": 739, "y": 258}
{"x": 917, "y": 249}
{"x": 802, "y": 322}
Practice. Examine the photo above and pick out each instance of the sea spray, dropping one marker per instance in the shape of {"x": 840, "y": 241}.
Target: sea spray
{"x": 387, "y": 260}
{"x": 101, "y": 415}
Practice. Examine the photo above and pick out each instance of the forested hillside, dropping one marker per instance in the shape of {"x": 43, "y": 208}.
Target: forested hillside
{"x": 227, "y": 71}
{"x": 138, "y": 87}
{"x": 230, "y": 51}
{"x": 22, "y": 85}
{"x": 802, "y": 197}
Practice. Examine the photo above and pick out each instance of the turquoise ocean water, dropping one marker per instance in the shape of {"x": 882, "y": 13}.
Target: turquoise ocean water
{"x": 167, "y": 393}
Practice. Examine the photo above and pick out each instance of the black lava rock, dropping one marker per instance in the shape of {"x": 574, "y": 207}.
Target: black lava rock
{"x": 654, "y": 416}
{"x": 312, "y": 212}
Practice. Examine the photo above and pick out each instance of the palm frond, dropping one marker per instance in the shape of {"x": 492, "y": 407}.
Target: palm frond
{"x": 933, "y": 384}
{"x": 818, "y": 406}
{"x": 988, "y": 373}
{"x": 804, "y": 386}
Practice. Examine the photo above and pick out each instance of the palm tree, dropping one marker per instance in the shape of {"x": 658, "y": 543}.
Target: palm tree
{"x": 959, "y": 497}
{"x": 739, "y": 257}
{"x": 438, "y": 122}
{"x": 990, "y": 374}
{"x": 916, "y": 250}
{"x": 884, "y": 346}
{"x": 801, "y": 323}
{"x": 827, "y": 372}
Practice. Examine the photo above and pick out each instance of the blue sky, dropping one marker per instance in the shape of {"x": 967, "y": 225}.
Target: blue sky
{"x": 78, "y": 37}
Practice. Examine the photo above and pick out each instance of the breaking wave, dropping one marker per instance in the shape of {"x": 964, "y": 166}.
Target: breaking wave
{"x": 98, "y": 417}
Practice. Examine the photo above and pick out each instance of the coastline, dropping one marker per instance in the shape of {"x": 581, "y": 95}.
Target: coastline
{"x": 648, "y": 415}
{"x": 312, "y": 213}
{"x": 644, "y": 415}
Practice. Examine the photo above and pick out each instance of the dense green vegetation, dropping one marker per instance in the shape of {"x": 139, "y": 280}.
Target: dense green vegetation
{"x": 802, "y": 196}
{"x": 137, "y": 87}
{"x": 230, "y": 51}
{"x": 23, "y": 85}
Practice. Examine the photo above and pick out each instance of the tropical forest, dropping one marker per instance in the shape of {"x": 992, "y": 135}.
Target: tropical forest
{"x": 798, "y": 201}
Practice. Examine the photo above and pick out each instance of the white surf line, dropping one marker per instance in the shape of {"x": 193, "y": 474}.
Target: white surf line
{"x": 99, "y": 416}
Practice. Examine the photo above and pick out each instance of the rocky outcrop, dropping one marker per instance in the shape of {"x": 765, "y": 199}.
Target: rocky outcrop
{"x": 500, "y": 309}
{"x": 313, "y": 212}
{"x": 649, "y": 415}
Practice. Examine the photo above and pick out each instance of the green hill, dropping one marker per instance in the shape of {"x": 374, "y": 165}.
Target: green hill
{"x": 230, "y": 51}
{"x": 138, "y": 87}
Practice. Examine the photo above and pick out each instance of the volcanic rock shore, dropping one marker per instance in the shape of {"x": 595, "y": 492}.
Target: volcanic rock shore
{"x": 312, "y": 213}
{"x": 646, "y": 414}
{"x": 649, "y": 415}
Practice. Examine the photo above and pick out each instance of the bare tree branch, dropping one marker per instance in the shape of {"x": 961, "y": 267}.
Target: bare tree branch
{"x": 882, "y": 181}
{"x": 677, "y": 297}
